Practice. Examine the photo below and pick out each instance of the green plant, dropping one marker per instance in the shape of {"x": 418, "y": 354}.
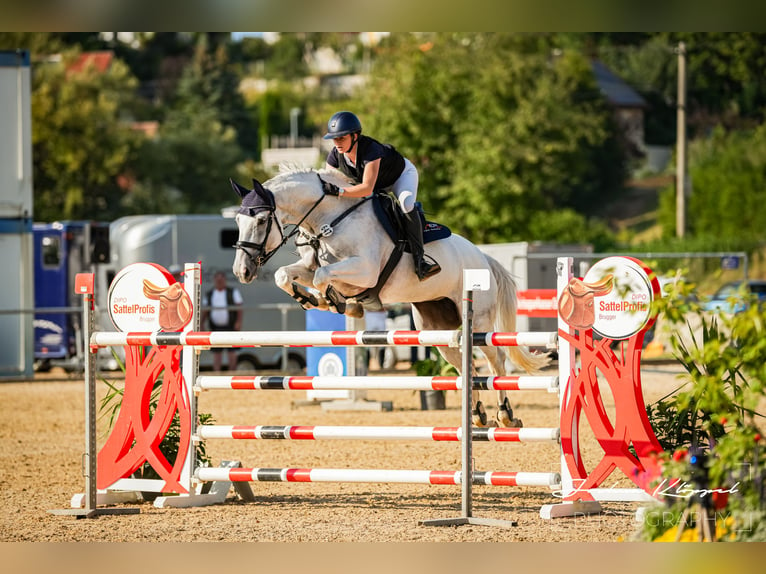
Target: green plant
{"x": 713, "y": 413}
{"x": 434, "y": 367}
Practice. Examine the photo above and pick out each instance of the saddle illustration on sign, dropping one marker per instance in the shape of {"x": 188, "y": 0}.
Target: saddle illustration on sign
{"x": 576, "y": 305}
{"x": 175, "y": 305}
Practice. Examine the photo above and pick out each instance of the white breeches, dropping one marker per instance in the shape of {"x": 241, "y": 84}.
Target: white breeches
{"x": 406, "y": 187}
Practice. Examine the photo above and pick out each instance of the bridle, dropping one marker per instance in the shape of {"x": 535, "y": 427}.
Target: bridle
{"x": 260, "y": 256}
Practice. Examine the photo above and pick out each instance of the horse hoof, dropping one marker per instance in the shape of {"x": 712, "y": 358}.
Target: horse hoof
{"x": 479, "y": 415}
{"x": 517, "y": 424}
{"x": 505, "y": 415}
{"x": 354, "y": 309}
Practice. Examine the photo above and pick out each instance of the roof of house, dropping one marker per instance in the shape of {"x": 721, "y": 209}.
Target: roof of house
{"x": 615, "y": 89}
{"x": 99, "y": 60}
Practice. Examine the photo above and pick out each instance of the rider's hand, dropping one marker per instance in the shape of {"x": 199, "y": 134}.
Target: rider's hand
{"x": 330, "y": 188}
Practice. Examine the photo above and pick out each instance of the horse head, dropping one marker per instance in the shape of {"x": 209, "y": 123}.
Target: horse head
{"x": 255, "y": 219}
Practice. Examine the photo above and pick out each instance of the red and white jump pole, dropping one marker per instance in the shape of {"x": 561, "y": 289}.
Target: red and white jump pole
{"x": 241, "y": 339}
{"x": 452, "y": 383}
{"x": 453, "y": 434}
{"x": 452, "y": 477}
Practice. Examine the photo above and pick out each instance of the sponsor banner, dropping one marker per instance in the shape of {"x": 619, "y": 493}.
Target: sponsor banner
{"x": 130, "y": 309}
{"x": 626, "y": 308}
{"x": 537, "y": 303}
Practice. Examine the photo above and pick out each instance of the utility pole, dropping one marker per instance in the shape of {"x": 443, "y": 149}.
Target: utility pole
{"x": 681, "y": 144}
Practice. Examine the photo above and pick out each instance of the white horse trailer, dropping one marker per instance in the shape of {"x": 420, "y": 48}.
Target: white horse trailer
{"x": 172, "y": 241}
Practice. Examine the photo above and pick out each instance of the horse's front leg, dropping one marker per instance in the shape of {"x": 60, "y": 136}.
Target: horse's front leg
{"x": 297, "y": 280}
{"x": 353, "y": 274}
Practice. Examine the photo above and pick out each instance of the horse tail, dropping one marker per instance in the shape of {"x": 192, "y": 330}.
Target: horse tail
{"x": 505, "y": 319}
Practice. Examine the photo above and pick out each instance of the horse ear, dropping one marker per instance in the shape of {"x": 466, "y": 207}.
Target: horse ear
{"x": 241, "y": 191}
{"x": 257, "y": 187}
{"x": 266, "y": 195}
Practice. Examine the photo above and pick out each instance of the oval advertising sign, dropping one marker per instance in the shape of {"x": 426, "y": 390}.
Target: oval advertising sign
{"x": 144, "y": 297}
{"x": 626, "y": 307}
{"x": 330, "y": 365}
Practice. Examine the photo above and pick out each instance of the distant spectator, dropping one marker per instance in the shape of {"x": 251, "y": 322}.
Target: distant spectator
{"x": 224, "y": 314}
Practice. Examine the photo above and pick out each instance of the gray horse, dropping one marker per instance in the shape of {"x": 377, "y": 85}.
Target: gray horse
{"x": 343, "y": 249}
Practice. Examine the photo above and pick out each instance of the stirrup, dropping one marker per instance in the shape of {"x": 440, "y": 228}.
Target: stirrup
{"x": 425, "y": 270}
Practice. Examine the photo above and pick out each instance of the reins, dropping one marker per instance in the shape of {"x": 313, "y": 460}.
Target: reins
{"x": 327, "y": 229}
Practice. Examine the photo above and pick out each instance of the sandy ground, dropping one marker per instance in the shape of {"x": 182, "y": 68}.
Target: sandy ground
{"x": 42, "y": 441}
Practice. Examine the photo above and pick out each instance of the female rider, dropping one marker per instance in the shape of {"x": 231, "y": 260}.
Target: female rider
{"x": 376, "y": 168}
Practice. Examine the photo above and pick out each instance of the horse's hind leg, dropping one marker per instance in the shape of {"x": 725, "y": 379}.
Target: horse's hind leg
{"x": 496, "y": 357}
{"x": 454, "y": 357}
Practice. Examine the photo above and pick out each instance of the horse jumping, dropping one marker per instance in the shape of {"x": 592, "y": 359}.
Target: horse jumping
{"x": 343, "y": 250}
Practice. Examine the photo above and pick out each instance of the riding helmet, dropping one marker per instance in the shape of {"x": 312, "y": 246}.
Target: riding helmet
{"x": 341, "y": 124}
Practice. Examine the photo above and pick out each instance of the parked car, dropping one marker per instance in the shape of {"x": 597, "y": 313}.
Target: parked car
{"x": 729, "y": 298}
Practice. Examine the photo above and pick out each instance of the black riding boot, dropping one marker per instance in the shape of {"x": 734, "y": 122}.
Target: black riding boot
{"x": 424, "y": 269}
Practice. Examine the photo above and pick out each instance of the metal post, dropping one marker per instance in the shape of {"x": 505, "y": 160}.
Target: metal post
{"x": 190, "y": 369}
{"x": 681, "y": 144}
{"x": 294, "y": 113}
{"x": 479, "y": 279}
{"x": 90, "y": 409}
{"x": 283, "y": 309}
{"x": 84, "y": 282}
{"x": 466, "y": 478}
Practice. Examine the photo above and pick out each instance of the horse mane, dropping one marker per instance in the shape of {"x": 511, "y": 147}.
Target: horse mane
{"x": 288, "y": 169}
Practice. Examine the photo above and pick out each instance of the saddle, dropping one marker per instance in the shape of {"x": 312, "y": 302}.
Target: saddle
{"x": 576, "y": 304}
{"x": 389, "y": 214}
{"x": 386, "y": 209}
{"x": 175, "y": 304}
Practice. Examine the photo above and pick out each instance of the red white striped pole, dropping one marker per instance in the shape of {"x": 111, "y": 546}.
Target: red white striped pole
{"x": 321, "y": 339}
{"x": 207, "y": 474}
{"x": 452, "y": 383}
{"x": 450, "y": 434}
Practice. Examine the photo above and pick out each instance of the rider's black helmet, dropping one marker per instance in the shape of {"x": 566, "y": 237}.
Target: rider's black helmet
{"x": 341, "y": 124}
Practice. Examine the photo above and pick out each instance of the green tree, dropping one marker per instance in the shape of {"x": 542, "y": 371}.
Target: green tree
{"x": 37, "y": 43}
{"x": 188, "y": 166}
{"x": 210, "y": 83}
{"x": 500, "y": 126}
{"x": 725, "y": 80}
{"x": 287, "y": 60}
{"x": 82, "y": 140}
{"x": 728, "y": 176}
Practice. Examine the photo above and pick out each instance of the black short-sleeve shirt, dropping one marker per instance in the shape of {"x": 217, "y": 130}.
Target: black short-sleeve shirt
{"x": 369, "y": 149}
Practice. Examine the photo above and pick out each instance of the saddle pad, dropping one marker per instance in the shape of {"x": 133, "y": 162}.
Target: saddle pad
{"x": 435, "y": 231}
{"x": 388, "y": 214}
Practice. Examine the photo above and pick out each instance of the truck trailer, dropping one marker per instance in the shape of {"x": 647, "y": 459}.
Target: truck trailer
{"x": 174, "y": 240}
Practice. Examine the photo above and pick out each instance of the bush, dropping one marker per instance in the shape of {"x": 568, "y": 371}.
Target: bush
{"x": 709, "y": 425}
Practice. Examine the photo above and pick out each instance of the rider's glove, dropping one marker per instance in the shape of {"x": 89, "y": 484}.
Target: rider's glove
{"x": 330, "y": 188}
